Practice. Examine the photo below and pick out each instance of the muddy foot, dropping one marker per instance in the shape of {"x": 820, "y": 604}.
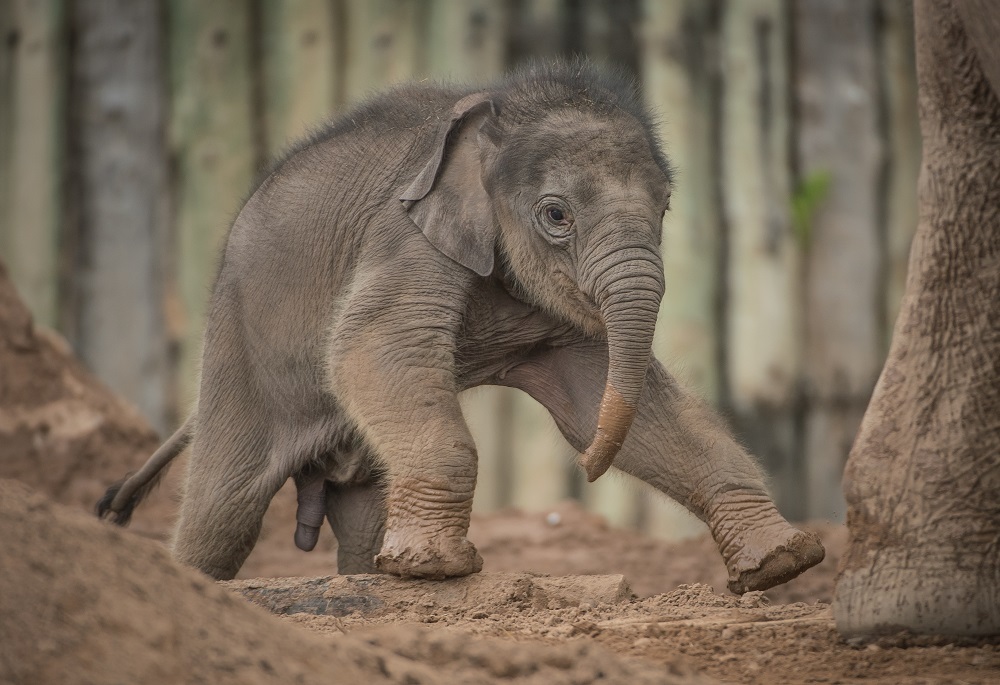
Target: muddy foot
{"x": 800, "y": 552}
{"x": 437, "y": 558}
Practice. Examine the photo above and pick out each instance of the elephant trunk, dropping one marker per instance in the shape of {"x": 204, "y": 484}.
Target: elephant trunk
{"x": 629, "y": 302}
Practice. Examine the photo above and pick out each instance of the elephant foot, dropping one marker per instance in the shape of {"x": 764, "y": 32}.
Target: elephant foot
{"x": 760, "y": 548}
{"x": 936, "y": 590}
{"x": 782, "y": 563}
{"x": 428, "y": 557}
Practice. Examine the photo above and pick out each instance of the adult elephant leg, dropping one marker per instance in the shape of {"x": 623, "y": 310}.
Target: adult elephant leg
{"x": 357, "y": 515}
{"x": 923, "y": 479}
{"x": 680, "y": 447}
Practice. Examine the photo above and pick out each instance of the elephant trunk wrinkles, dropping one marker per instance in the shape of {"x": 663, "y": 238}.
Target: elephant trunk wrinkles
{"x": 629, "y": 305}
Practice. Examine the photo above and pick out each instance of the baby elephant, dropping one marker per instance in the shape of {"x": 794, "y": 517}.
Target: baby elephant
{"x": 435, "y": 239}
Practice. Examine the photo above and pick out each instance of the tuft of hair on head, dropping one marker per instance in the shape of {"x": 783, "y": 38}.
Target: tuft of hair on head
{"x": 539, "y": 86}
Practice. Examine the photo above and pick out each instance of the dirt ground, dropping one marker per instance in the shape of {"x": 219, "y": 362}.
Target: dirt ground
{"x": 82, "y": 601}
{"x": 87, "y": 602}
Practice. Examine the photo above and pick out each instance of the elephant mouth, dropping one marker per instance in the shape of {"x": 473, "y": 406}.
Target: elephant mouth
{"x": 586, "y": 306}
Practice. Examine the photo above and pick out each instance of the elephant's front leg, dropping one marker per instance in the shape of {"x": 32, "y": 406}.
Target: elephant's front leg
{"x": 681, "y": 448}
{"x": 396, "y": 382}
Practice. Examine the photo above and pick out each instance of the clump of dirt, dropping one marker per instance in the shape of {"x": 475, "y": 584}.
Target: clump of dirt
{"x": 83, "y": 601}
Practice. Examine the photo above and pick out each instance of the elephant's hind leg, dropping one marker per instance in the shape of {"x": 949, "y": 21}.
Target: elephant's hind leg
{"x": 226, "y": 495}
{"x": 357, "y": 515}
{"x": 230, "y": 478}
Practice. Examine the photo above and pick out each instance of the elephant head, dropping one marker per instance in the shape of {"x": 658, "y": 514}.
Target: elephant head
{"x": 560, "y": 192}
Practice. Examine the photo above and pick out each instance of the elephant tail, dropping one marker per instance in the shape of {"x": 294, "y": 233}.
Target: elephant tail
{"x": 123, "y": 497}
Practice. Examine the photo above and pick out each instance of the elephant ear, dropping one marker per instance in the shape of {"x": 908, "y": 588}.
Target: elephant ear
{"x": 447, "y": 200}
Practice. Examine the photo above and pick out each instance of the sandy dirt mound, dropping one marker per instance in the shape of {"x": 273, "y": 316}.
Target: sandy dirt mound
{"x": 689, "y": 630}
{"x": 61, "y": 431}
{"x": 83, "y": 602}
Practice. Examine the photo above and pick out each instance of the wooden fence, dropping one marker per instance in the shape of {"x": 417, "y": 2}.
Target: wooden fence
{"x": 130, "y": 130}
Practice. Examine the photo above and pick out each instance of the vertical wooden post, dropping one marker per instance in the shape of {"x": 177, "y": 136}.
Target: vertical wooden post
{"x": 119, "y": 183}
{"x": 764, "y": 255}
{"x": 902, "y": 133}
{"x": 836, "y": 91}
{"x": 299, "y": 46}
{"x": 608, "y": 35}
{"x": 543, "y": 462}
{"x": 212, "y": 141}
{"x": 592, "y": 29}
{"x": 466, "y": 40}
{"x": 32, "y": 91}
{"x": 538, "y": 463}
{"x": 679, "y": 72}
{"x": 383, "y": 45}
{"x": 539, "y": 29}
{"x": 489, "y": 413}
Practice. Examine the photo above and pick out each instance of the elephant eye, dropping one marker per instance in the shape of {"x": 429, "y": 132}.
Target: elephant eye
{"x": 554, "y": 219}
{"x": 556, "y": 215}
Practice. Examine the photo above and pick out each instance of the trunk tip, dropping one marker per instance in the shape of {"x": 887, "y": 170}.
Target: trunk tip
{"x": 596, "y": 465}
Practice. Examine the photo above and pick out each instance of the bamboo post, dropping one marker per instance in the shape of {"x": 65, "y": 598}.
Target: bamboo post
{"x": 119, "y": 178}
{"x": 466, "y": 40}
{"x": 299, "y": 49}
{"x": 540, "y": 462}
{"x": 763, "y": 304}
{"x": 902, "y": 129}
{"x": 543, "y": 462}
{"x": 838, "y": 134}
{"x": 609, "y": 30}
{"x": 211, "y": 136}
{"x": 383, "y": 45}
{"x": 32, "y": 92}
{"x": 538, "y": 30}
{"x": 679, "y": 71}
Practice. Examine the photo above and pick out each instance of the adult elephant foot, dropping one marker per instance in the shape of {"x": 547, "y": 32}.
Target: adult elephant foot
{"x": 760, "y": 548}
{"x": 923, "y": 479}
{"x": 923, "y": 493}
{"x": 922, "y": 587}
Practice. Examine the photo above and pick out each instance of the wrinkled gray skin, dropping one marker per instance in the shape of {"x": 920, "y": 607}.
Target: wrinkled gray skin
{"x": 923, "y": 479}
{"x": 434, "y": 240}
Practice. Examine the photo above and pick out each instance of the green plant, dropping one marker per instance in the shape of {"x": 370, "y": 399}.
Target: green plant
{"x": 805, "y": 201}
